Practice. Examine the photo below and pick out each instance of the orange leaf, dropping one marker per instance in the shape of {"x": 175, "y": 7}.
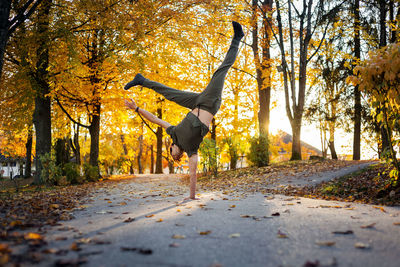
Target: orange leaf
{"x": 33, "y": 236}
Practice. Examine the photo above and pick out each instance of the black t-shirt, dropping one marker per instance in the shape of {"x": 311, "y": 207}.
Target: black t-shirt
{"x": 188, "y": 134}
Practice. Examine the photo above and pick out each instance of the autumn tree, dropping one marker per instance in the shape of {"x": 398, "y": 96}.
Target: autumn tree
{"x": 312, "y": 22}
{"x": 378, "y": 76}
{"x": 9, "y": 25}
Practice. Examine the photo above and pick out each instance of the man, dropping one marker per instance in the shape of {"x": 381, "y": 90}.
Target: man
{"x": 189, "y": 133}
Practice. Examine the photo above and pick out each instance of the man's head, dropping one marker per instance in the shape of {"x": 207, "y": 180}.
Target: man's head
{"x": 176, "y": 152}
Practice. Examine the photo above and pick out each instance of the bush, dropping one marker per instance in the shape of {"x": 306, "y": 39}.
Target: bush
{"x": 72, "y": 173}
{"x": 209, "y": 155}
{"x": 259, "y": 151}
{"x": 91, "y": 173}
{"x": 51, "y": 173}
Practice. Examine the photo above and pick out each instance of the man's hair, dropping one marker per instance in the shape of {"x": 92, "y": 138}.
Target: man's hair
{"x": 179, "y": 157}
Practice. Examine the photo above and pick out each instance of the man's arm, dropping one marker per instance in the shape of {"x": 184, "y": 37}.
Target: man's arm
{"x": 149, "y": 116}
{"x": 193, "y": 175}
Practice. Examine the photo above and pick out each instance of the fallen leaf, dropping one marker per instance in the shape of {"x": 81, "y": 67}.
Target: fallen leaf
{"x": 178, "y": 210}
{"x": 245, "y": 216}
{"x": 4, "y": 248}
{"x": 275, "y": 214}
{"x": 70, "y": 262}
{"x": 361, "y": 245}
{"x": 128, "y": 249}
{"x": 50, "y": 251}
{"x": 33, "y": 236}
{"x": 149, "y": 216}
{"x": 348, "y": 232}
{"x": 325, "y": 243}
{"x": 368, "y": 226}
{"x": 123, "y": 203}
{"x": 145, "y": 251}
{"x": 281, "y": 234}
{"x": 178, "y": 236}
{"x": 312, "y": 264}
{"x": 205, "y": 232}
{"x": 129, "y": 220}
{"x": 159, "y": 220}
{"x": 235, "y": 235}
{"x": 380, "y": 208}
{"x": 74, "y": 246}
{"x": 396, "y": 223}
{"x": 233, "y": 206}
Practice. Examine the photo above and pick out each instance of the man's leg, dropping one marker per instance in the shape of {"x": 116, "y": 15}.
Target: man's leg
{"x": 213, "y": 92}
{"x": 183, "y": 98}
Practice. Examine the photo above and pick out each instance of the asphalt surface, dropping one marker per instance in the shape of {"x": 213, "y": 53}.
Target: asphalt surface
{"x": 144, "y": 222}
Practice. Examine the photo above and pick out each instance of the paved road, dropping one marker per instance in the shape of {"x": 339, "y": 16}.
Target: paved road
{"x": 223, "y": 230}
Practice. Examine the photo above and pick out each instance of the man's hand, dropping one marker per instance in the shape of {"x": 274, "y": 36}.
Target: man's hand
{"x": 130, "y": 104}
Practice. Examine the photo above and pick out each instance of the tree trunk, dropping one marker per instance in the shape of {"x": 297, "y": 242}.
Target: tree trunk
{"x": 62, "y": 151}
{"x": 393, "y": 30}
{"x": 296, "y": 145}
{"x": 159, "y": 135}
{"x": 213, "y": 130}
{"x": 151, "y": 159}
{"x": 77, "y": 150}
{"x": 382, "y": 43}
{"x": 139, "y": 158}
{"x": 357, "y": 94}
{"x": 94, "y": 131}
{"x": 28, "y": 145}
{"x": 263, "y": 65}
{"x": 42, "y": 113}
{"x": 5, "y": 7}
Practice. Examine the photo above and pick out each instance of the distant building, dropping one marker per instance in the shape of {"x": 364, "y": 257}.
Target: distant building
{"x": 282, "y": 142}
{"x": 10, "y": 167}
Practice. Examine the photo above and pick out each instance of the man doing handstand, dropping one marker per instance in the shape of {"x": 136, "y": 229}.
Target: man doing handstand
{"x": 189, "y": 133}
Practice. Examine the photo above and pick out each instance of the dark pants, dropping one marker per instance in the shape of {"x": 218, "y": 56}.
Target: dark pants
{"x": 210, "y": 98}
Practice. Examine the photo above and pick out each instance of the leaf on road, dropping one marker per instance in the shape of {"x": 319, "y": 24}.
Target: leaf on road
{"x": 145, "y": 251}
{"x": 128, "y": 249}
{"x": 70, "y": 262}
{"x": 205, "y": 232}
{"x": 245, "y": 216}
{"x": 50, "y": 251}
{"x": 159, "y": 220}
{"x": 123, "y": 203}
{"x": 74, "y": 246}
{"x": 380, "y": 208}
{"x": 325, "y": 243}
{"x": 281, "y": 234}
{"x": 178, "y": 236}
{"x": 371, "y": 225}
{"x": 275, "y": 214}
{"x": 129, "y": 220}
{"x": 348, "y": 232}
{"x": 33, "y": 236}
{"x": 361, "y": 245}
{"x": 149, "y": 216}
{"x": 4, "y": 248}
{"x": 235, "y": 235}
{"x": 233, "y": 206}
{"x": 174, "y": 245}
